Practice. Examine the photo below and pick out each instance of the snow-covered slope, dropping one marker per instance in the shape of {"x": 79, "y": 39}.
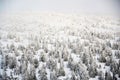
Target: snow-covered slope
{"x": 59, "y": 47}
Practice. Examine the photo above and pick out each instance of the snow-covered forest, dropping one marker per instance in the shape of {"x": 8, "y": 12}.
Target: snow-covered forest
{"x": 59, "y": 47}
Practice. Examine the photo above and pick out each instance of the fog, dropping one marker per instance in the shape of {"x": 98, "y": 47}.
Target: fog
{"x": 64, "y": 6}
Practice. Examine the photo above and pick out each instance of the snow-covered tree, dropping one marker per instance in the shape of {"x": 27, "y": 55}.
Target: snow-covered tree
{"x": 42, "y": 73}
{"x": 36, "y": 63}
{"x": 42, "y": 57}
{"x": 102, "y": 58}
{"x": 61, "y": 71}
{"x": 51, "y": 64}
{"x": 53, "y": 76}
{"x": 92, "y": 71}
{"x": 108, "y": 76}
{"x": 12, "y": 62}
{"x": 101, "y": 75}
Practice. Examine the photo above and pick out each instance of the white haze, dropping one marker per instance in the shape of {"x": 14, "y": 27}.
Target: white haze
{"x": 62, "y": 6}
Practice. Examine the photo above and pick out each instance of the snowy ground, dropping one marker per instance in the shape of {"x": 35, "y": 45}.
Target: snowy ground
{"x": 59, "y": 47}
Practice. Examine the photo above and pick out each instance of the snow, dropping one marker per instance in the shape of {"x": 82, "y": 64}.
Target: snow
{"x": 57, "y": 32}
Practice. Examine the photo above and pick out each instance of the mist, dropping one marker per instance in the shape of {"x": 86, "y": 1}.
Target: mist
{"x": 61, "y": 6}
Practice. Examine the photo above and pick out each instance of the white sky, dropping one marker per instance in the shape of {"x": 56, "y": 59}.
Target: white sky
{"x": 70, "y": 6}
